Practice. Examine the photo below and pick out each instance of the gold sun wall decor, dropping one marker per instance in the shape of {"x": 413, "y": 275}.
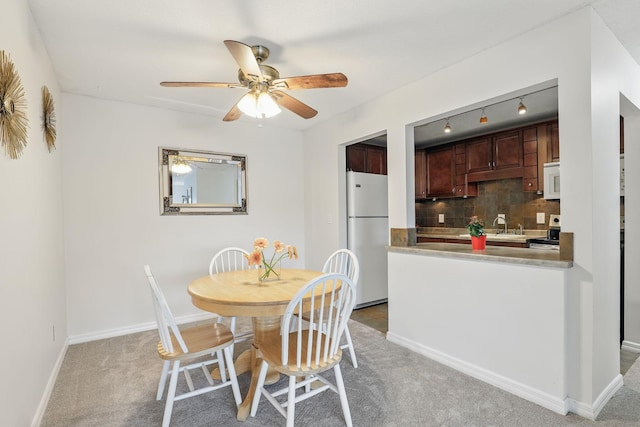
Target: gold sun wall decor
{"x": 13, "y": 121}
{"x": 48, "y": 119}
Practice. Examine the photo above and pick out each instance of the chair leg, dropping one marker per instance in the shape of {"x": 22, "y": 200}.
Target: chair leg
{"x": 163, "y": 379}
{"x": 291, "y": 398}
{"x": 258, "y": 393}
{"x": 221, "y": 365}
{"x": 232, "y": 377}
{"x": 352, "y": 352}
{"x": 343, "y": 395}
{"x": 171, "y": 393}
{"x": 232, "y": 327}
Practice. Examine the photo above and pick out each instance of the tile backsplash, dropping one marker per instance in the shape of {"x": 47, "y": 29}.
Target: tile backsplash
{"x": 494, "y": 197}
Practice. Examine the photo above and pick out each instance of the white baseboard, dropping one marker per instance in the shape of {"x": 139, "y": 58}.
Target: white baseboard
{"x": 553, "y": 403}
{"x": 630, "y": 346}
{"x": 592, "y": 411}
{"x": 44, "y": 400}
{"x": 110, "y": 333}
{"x": 142, "y": 327}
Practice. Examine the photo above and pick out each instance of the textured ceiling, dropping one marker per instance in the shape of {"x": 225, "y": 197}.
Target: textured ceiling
{"x": 121, "y": 49}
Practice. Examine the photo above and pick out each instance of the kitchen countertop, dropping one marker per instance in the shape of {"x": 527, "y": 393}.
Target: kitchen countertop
{"x": 525, "y": 256}
{"x": 492, "y": 235}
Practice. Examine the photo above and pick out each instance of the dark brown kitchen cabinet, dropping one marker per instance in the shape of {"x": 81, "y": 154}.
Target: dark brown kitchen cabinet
{"x": 367, "y": 158}
{"x": 356, "y": 158}
{"x": 420, "y": 174}
{"x": 440, "y": 172}
{"x": 463, "y": 187}
{"x": 530, "y": 176}
{"x": 377, "y": 160}
{"x": 554, "y": 143}
{"x": 495, "y": 157}
{"x": 621, "y": 135}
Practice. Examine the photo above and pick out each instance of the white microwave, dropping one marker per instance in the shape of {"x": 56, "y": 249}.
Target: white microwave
{"x": 552, "y": 181}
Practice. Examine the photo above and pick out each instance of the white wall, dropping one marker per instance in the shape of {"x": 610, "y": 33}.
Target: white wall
{"x": 482, "y": 322}
{"x": 591, "y": 69}
{"x": 32, "y": 295}
{"x": 632, "y": 231}
{"x": 112, "y": 221}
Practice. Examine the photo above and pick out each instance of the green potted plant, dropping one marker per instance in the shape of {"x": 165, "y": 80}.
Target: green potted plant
{"x": 478, "y": 235}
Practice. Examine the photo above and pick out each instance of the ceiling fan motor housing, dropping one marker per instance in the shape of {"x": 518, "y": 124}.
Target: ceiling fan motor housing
{"x": 260, "y": 52}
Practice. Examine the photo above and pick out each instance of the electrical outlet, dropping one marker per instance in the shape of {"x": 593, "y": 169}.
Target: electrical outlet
{"x": 441, "y": 218}
{"x": 501, "y": 218}
{"x": 540, "y": 218}
{"x": 329, "y": 219}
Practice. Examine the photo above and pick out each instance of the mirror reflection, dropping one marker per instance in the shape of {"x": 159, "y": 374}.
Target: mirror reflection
{"x": 202, "y": 182}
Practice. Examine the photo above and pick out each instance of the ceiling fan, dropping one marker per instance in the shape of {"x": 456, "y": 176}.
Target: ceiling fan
{"x": 266, "y": 88}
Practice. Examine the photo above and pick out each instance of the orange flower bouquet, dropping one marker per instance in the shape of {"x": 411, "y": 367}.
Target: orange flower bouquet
{"x": 269, "y": 267}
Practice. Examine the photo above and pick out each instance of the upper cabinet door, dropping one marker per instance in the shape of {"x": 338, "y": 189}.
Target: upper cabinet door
{"x": 479, "y": 155}
{"x": 377, "y": 160}
{"x": 507, "y": 151}
{"x": 440, "y": 172}
{"x": 420, "y": 174}
{"x": 356, "y": 157}
{"x": 554, "y": 143}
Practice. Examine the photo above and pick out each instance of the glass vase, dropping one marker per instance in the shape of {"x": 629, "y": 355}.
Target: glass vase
{"x": 267, "y": 273}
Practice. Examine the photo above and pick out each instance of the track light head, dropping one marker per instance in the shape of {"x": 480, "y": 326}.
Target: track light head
{"x": 521, "y": 108}
{"x": 483, "y": 118}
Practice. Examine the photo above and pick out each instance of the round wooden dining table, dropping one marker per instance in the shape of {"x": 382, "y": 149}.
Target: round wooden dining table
{"x": 240, "y": 293}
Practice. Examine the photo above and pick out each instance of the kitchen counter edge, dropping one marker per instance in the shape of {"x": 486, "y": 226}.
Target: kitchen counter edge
{"x": 524, "y": 256}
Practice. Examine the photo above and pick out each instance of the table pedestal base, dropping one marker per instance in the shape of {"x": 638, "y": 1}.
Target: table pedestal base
{"x": 264, "y": 329}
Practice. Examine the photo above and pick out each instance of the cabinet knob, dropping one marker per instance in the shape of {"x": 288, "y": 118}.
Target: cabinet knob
{"x": 530, "y": 185}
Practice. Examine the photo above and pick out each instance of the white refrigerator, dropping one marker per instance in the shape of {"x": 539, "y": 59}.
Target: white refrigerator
{"x": 368, "y": 234}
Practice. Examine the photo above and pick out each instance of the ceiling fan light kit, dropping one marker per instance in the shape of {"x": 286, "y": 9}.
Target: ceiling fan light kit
{"x": 266, "y": 89}
{"x": 259, "y": 105}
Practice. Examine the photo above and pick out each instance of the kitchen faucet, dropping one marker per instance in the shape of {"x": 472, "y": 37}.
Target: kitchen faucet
{"x": 505, "y": 224}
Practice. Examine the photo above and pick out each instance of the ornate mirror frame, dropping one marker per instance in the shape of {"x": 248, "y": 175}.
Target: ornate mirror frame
{"x": 198, "y": 182}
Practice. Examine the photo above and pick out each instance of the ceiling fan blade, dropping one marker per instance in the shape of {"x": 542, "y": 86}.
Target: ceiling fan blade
{"x": 199, "y": 84}
{"x": 243, "y": 54}
{"x": 313, "y": 81}
{"x": 294, "y": 105}
{"x": 233, "y": 114}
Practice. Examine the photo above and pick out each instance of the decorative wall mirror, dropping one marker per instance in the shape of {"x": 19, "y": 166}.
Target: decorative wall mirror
{"x": 195, "y": 182}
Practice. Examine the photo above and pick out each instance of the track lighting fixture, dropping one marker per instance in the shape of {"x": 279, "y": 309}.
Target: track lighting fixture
{"x": 521, "y": 108}
{"x": 447, "y": 127}
{"x": 483, "y": 118}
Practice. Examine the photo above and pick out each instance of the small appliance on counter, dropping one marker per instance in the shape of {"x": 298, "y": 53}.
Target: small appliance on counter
{"x": 554, "y": 227}
{"x": 552, "y": 241}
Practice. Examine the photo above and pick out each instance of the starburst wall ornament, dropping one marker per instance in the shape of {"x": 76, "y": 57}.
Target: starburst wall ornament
{"x": 13, "y": 121}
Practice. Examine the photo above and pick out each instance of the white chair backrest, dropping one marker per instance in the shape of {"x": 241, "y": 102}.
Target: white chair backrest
{"x": 340, "y": 295}
{"x": 229, "y": 259}
{"x": 343, "y": 261}
{"x": 164, "y": 317}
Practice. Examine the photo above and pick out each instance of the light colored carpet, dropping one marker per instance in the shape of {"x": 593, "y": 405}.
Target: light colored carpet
{"x": 113, "y": 383}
